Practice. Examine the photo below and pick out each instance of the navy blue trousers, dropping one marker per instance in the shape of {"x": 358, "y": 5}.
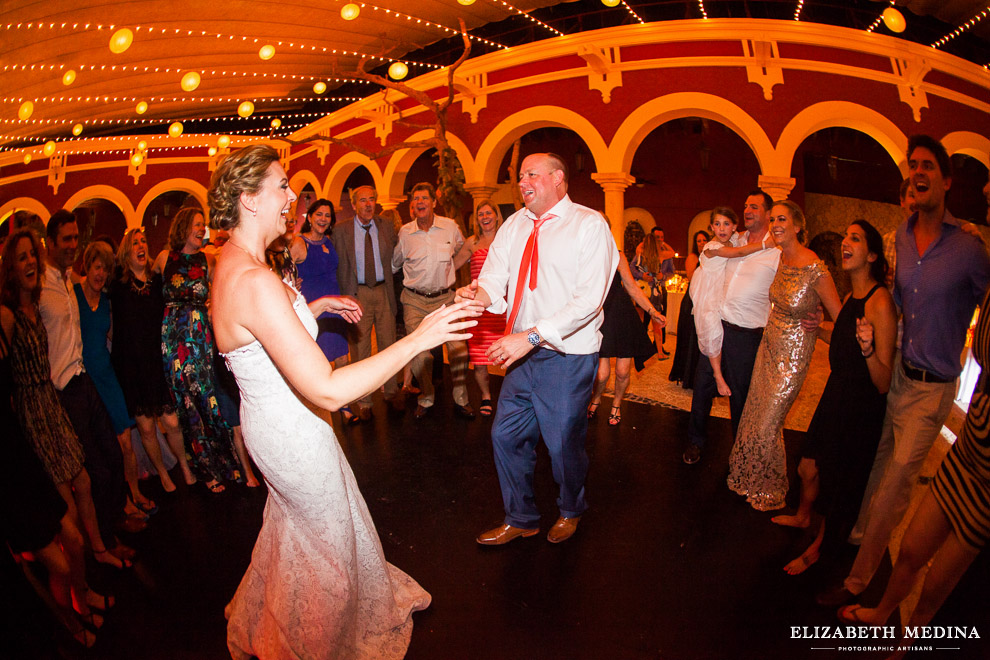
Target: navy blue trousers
{"x": 546, "y": 394}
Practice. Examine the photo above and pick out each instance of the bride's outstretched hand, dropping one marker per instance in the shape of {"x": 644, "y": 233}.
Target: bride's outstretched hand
{"x": 348, "y": 308}
{"x": 447, "y": 324}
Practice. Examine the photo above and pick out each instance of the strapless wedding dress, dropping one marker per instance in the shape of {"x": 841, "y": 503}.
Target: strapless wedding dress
{"x": 318, "y": 585}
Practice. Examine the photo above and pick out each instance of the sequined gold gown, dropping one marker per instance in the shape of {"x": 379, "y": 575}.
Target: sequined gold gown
{"x": 757, "y": 464}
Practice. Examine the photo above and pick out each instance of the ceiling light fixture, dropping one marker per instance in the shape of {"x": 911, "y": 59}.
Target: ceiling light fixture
{"x": 121, "y": 40}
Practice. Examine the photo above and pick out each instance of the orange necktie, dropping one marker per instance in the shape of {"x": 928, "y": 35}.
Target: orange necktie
{"x": 530, "y": 263}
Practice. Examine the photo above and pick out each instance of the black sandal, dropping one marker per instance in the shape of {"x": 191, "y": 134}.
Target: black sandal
{"x": 615, "y": 416}
{"x": 485, "y": 409}
{"x": 593, "y": 410}
{"x": 124, "y": 563}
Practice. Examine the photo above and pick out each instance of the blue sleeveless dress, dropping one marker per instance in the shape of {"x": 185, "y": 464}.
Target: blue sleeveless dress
{"x": 318, "y": 278}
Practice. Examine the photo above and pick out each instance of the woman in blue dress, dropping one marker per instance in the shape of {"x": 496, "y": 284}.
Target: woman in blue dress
{"x": 94, "y": 322}
{"x": 316, "y": 260}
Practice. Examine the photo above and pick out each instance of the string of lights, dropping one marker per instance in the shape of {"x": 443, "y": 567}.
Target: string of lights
{"x": 962, "y": 28}
{"x": 633, "y": 13}
{"x": 797, "y": 10}
{"x": 173, "y": 99}
{"x": 525, "y": 15}
{"x": 161, "y": 120}
{"x": 701, "y": 7}
{"x": 203, "y": 72}
{"x": 875, "y": 24}
{"x": 203, "y": 33}
{"x": 423, "y": 21}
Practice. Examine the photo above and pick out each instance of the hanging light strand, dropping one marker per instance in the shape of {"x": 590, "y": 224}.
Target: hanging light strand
{"x": 423, "y": 21}
{"x": 962, "y": 28}
{"x": 633, "y": 13}
{"x": 202, "y": 72}
{"x": 174, "y": 99}
{"x": 701, "y": 7}
{"x": 520, "y": 12}
{"x": 143, "y": 121}
{"x": 797, "y": 10}
{"x": 875, "y": 24}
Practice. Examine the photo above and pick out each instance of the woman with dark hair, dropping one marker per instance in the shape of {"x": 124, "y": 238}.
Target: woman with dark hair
{"x": 757, "y": 464}
{"x": 187, "y": 349}
{"x": 316, "y": 260}
{"x": 39, "y": 411}
{"x": 845, "y": 430}
{"x": 318, "y": 585}
{"x": 137, "y": 307}
{"x": 686, "y": 353}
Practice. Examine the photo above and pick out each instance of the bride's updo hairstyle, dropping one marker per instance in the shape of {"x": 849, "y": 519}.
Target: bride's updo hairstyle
{"x": 240, "y": 172}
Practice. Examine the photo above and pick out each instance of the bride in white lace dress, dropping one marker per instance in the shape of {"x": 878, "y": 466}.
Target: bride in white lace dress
{"x": 318, "y": 585}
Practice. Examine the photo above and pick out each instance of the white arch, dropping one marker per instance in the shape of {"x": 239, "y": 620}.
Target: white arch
{"x": 299, "y": 180}
{"x": 829, "y": 114}
{"x": 972, "y": 144}
{"x": 493, "y": 149}
{"x": 110, "y": 194}
{"x": 342, "y": 168}
{"x": 397, "y": 168}
{"x": 190, "y": 186}
{"x": 641, "y": 121}
{"x": 26, "y": 204}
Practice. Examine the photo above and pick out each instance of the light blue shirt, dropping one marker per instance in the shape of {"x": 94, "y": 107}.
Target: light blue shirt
{"x": 359, "y": 234}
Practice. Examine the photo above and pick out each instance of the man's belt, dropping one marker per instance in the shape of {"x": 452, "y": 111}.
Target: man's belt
{"x": 435, "y": 294}
{"x": 922, "y": 375}
{"x": 739, "y": 328}
{"x": 372, "y": 286}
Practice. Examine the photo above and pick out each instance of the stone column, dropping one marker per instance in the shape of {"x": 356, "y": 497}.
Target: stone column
{"x": 390, "y": 203}
{"x": 614, "y": 184}
{"x": 778, "y": 187}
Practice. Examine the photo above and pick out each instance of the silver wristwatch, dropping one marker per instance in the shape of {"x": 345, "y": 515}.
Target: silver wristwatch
{"x": 534, "y": 338}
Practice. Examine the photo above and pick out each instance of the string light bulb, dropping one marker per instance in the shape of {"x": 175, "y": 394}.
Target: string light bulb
{"x": 267, "y": 52}
{"x": 190, "y": 81}
{"x": 77, "y": 130}
{"x": 141, "y": 108}
{"x": 26, "y": 110}
{"x": 175, "y": 129}
{"x": 320, "y": 87}
{"x": 69, "y": 77}
{"x": 223, "y": 141}
{"x": 611, "y": 3}
{"x": 245, "y": 109}
{"x": 276, "y": 123}
{"x": 212, "y": 151}
{"x": 142, "y": 145}
{"x": 398, "y": 70}
{"x": 121, "y": 40}
{"x": 894, "y": 20}
{"x": 49, "y": 148}
{"x": 27, "y": 158}
{"x": 136, "y": 159}
{"x": 349, "y": 11}
{"x": 466, "y": 3}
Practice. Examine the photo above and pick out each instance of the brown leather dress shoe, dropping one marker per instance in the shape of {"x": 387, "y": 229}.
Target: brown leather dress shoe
{"x": 397, "y": 403}
{"x": 503, "y": 534}
{"x": 422, "y": 411}
{"x": 464, "y": 412}
{"x": 364, "y": 412}
{"x": 563, "y": 529}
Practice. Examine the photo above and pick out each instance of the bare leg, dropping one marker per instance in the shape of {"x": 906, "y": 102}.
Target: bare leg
{"x": 242, "y": 456}
{"x": 82, "y": 496}
{"x": 481, "y": 378}
{"x": 808, "y": 471}
{"x": 131, "y": 472}
{"x": 173, "y": 434}
{"x": 601, "y": 380}
{"x": 149, "y": 438}
{"x": 723, "y": 387}
{"x": 622, "y": 368}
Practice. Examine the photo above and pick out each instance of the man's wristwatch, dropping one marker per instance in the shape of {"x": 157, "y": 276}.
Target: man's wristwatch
{"x": 534, "y": 338}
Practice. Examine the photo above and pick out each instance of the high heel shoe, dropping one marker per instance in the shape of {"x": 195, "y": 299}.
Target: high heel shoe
{"x": 615, "y": 416}
{"x": 110, "y": 559}
{"x": 593, "y": 410}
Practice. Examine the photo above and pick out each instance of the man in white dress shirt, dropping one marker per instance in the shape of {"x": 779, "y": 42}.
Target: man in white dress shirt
{"x": 745, "y": 311}
{"x": 425, "y": 254}
{"x": 551, "y": 264}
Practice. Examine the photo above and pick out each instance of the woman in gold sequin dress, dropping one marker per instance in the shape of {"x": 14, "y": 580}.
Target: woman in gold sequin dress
{"x": 757, "y": 464}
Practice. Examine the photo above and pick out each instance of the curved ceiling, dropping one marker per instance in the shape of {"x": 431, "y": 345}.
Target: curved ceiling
{"x": 221, "y": 39}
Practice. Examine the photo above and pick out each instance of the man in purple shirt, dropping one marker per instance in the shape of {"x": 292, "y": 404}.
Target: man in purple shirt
{"x": 942, "y": 274}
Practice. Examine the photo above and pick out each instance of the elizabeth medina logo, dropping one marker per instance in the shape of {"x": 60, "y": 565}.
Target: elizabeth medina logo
{"x": 885, "y": 638}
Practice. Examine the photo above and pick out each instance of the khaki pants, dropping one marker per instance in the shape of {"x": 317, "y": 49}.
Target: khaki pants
{"x": 415, "y": 308}
{"x": 374, "y": 303}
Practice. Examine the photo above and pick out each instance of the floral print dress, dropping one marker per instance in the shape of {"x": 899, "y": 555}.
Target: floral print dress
{"x": 187, "y": 349}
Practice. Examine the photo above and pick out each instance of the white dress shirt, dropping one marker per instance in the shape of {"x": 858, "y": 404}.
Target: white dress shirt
{"x": 427, "y": 257}
{"x": 60, "y": 314}
{"x": 577, "y": 259}
{"x": 747, "y": 287}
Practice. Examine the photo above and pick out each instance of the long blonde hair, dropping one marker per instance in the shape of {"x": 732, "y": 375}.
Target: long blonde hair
{"x": 651, "y": 254}
{"x": 494, "y": 207}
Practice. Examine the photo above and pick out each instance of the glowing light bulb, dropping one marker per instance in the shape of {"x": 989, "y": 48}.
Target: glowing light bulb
{"x": 466, "y": 3}
{"x": 141, "y": 108}
{"x": 611, "y": 3}
{"x": 69, "y": 77}
{"x": 26, "y": 110}
{"x": 175, "y": 129}
{"x": 894, "y": 20}
{"x": 276, "y": 122}
{"x": 320, "y": 87}
{"x": 245, "y": 109}
{"x": 136, "y": 159}
{"x": 121, "y": 40}
{"x": 398, "y": 70}
{"x": 142, "y": 145}
{"x": 190, "y": 81}
{"x": 212, "y": 151}
{"x": 349, "y": 12}
{"x": 77, "y": 129}
{"x": 267, "y": 52}
{"x": 223, "y": 141}
{"x": 49, "y": 148}
{"x": 27, "y": 158}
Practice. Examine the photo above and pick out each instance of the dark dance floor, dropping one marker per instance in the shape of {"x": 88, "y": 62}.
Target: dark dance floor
{"x": 667, "y": 563}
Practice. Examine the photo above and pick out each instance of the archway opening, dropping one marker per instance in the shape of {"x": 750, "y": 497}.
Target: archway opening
{"x": 97, "y": 219}
{"x": 359, "y": 177}
{"x": 158, "y": 217}
{"x": 685, "y": 167}
{"x": 966, "y": 200}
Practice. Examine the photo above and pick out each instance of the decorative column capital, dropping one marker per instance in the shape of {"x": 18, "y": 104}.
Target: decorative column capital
{"x": 613, "y": 181}
{"x": 388, "y": 203}
{"x": 480, "y": 190}
{"x": 778, "y": 187}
